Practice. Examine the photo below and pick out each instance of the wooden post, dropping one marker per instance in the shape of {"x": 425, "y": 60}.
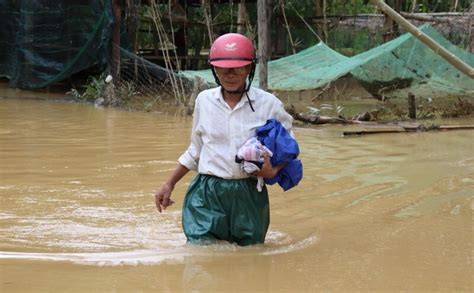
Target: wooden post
{"x": 262, "y": 43}
{"x": 437, "y": 48}
{"x": 387, "y": 29}
{"x": 115, "y": 64}
{"x": 411, "y": 106}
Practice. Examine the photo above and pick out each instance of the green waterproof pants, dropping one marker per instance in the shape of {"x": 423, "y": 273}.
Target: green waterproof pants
{"x": 225, "y": 209}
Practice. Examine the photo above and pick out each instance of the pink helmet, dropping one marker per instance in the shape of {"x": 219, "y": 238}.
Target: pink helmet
{"x": 232, "y": 50}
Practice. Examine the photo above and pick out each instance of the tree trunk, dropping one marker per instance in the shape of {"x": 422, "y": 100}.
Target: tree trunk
{"x": 397, "y": 6}
{"x": 414, "y": 7}
{"x": 325, "y": 23}
{"x": 318, "y": 9}
{"x": 262, "y": 43}
{"x": 241, "y": 17}
{"x": 390, "y": 27}
{"x": 387, "y": 29}
{"x": 132, "y": 20}
{"x": 115, "y": 66}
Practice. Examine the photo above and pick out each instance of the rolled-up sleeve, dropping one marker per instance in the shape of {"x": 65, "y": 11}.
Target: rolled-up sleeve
{"x": 190, "y": 158}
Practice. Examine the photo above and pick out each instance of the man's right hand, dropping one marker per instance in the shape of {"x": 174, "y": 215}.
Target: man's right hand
{"x": 163, "y": 197}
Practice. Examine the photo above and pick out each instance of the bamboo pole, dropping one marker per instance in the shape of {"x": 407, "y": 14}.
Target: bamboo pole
{"x": 437, "y": 48}
{"x": 163, "y": 39}
{"x": 206, "y": 6}
{"x": 176, "y": 59}
{"x": 287, "y": 26}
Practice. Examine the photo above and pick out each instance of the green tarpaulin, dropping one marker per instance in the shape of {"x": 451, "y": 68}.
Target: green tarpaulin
{"x": 402, "y": 65}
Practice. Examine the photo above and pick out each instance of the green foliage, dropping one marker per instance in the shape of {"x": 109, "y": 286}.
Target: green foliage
{"x": 96, "y": 88}
{"x": 93, "y": 89}
{"x": 145, "y": 35}
{"x": 126, "y": 90}
{"x": 349, "y": 7}
{"x": 461, "y": 107}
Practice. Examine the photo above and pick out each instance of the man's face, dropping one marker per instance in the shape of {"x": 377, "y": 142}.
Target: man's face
{"x": 233, "y": 79}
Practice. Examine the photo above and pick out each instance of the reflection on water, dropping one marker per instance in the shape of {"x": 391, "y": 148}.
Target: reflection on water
{"x": 77, "y": 183}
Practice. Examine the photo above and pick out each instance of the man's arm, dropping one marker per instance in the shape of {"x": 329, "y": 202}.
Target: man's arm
{"x": 163, "y": 195}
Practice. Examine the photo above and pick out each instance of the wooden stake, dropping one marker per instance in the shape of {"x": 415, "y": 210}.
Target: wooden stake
{"x": 419, "y": 128}
{"x": 411, "y": 106}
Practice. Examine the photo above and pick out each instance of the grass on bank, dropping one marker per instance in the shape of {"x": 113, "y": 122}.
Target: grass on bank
{"x": 346, "y": 99}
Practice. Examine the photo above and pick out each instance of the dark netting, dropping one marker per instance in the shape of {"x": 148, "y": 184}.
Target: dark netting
{"x": 148, "y": 78}
{"x": 46, "y": 41}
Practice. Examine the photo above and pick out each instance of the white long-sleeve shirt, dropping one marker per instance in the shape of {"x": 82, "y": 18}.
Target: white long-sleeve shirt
{"x": 218, "y": 131}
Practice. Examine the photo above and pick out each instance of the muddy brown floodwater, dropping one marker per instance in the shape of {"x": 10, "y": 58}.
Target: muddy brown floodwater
{"x": 382, "y": 212}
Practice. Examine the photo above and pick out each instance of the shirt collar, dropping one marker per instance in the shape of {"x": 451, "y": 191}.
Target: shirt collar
{"x": 243, "y": 100}
{"x": 250, "y": 93}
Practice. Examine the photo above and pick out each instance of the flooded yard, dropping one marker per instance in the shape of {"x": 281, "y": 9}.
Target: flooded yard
{"x": 382, "y": 212}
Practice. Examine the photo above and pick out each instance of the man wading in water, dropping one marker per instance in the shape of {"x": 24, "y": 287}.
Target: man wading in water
{"x": 222, "y": 201}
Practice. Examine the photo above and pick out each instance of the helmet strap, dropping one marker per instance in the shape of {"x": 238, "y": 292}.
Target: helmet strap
{"x": 250, "y": 76}
{"x": 245, "y": 91}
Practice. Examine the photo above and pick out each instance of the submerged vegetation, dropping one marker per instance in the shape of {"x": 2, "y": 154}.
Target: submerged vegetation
{"x": 338, "y": 105}
{"x": 390, "y": 110}
{"x": 103, "y": 92}
{"x": 426, "y": 108}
